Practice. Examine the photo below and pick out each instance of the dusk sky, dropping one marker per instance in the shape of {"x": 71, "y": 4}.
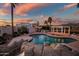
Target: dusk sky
{"x": 31, "y": 10}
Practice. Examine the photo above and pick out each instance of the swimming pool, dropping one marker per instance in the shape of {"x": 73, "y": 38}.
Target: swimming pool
{"x": 42, "y": 38}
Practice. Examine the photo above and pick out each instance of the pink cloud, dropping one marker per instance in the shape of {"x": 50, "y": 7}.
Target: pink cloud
{"x": 76, "y": 12}
{"x": 25, "y": 8}
{"x": 22, "y": 20}
{"x": 3, "y": 12}
{"x": 6, "y": 4}
{"x": 66, "y": 7}
{"x": 22, "y": 9}
{"x": 71, "y": 5}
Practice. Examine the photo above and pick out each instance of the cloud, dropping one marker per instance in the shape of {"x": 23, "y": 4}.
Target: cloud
{"x": 76, "y": 13}
{"x": 66, "y": 7}
{"x": 22, "y": 20}
{"x": 3, "y": 12}
{"x": 23, "y": 14}
{"x": 6, "y": 4}
{"x": 21, "y": 9}
{"x": 71, "y": 5}
{"x": 25, "y": 8}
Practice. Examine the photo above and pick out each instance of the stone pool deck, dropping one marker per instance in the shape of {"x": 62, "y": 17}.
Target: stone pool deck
{"x": 30, "y": 49}
{"x": 73, "y": 45}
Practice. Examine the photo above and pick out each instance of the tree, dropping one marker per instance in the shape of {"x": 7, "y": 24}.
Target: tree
{"x": 12, "y": 18}
{"x": 2, "y": 40}
{"x": 37, "y": 23}
{"x": 22, "y": 30}
{"x": 16, "y": 34}
{"x": 45, "y": 22}
{"x": 12, "y": 14}
{"x": 50, "y": 21}
{"x": 5, "y": 37}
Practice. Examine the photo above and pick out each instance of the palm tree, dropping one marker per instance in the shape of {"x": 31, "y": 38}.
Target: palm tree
{"x": 37, "y": 23}
{"x": 12, "y": 7}
{"x": 45, "y": 22}
{"x": 46, "y": 27}
{"x": 50, "y": 21}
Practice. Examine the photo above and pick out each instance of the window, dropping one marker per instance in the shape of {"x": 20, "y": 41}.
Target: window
{"x": 59, "y": 29}
{"x": 66, "y": 30}
{"x": 54, "y": 29}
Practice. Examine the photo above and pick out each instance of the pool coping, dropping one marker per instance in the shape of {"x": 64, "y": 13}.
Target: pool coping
{"x": 58, "y": 36}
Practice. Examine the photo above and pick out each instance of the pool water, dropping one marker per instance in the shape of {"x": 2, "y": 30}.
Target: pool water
{"x": 42, "y": 38}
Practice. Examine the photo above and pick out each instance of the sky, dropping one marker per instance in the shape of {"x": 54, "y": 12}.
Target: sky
{"x": 31, "y": 10}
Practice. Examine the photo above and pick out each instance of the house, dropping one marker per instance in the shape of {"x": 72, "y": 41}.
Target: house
{"x": 6, "y": 29}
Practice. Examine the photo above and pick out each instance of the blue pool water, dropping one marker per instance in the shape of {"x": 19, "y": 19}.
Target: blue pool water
{"x": 42, "y": 38}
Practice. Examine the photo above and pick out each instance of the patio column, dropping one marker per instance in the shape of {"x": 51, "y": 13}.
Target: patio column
{"x": 52, "y": 29}
{"x": 56, "y": 28}
{"x": 69, "y": 30}
{"x": 64, "y": 30}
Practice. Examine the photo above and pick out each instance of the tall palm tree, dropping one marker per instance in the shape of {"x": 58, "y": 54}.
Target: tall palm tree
{"x": 12, "y": 14}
